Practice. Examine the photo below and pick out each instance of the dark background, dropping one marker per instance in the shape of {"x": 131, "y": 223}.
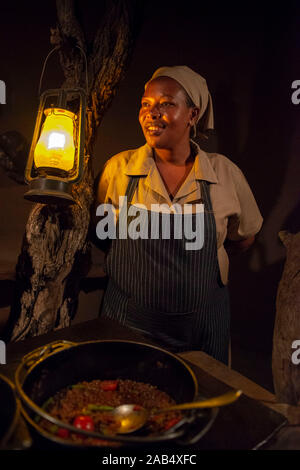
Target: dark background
{"x": 249, "y": 55}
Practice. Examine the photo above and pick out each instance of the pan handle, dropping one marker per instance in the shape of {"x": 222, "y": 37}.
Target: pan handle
{"x": 193, "y": 434}
{"x": 33, "y": 357}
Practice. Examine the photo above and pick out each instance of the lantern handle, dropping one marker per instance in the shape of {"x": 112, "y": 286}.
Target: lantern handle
{"x": 86, "y": 69}
{"x": 46, "y": 60}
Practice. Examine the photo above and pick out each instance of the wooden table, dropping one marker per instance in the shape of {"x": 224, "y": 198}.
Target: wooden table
{"x": 254, "y": 421}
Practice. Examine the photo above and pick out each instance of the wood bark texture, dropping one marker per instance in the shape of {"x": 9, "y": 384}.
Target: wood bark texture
{"x": 55, "y": 254}
{"x": 13, "y": 155}
{"x": 286, "y": 374}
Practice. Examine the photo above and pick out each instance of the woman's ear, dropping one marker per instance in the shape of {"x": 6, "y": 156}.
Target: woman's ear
{"x": 194, "y": 115}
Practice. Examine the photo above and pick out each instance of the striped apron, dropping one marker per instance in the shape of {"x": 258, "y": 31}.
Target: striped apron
{"x": 172, "y": 294}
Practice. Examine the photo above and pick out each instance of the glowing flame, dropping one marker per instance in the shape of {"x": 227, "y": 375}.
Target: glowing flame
{"x": 55, "y": 147}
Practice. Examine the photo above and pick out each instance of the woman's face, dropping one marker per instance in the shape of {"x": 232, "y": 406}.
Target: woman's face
{"x": 164, "y": 115}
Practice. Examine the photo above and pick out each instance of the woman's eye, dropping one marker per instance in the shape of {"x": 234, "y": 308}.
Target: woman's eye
{"x": 144, "y": 104}
{"x": 166, "y": 103}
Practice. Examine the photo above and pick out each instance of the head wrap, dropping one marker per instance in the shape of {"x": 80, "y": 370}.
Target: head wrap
{"x": 196, "y": 88}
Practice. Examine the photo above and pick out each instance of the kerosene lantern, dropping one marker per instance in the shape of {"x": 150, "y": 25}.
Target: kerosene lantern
{"x": 56, "y": 155}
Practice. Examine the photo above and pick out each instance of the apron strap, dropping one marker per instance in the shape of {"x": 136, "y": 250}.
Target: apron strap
{"x": 131, "y": 187}
{"x": 205, "y": 194}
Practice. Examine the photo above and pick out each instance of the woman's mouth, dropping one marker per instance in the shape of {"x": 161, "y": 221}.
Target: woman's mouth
{"x": 154, "y": 129}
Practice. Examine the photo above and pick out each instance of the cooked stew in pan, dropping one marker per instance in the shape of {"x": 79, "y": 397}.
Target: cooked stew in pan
{"x": 88, "y": 406}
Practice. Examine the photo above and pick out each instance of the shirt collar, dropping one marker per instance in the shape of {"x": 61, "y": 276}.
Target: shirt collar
{"x": 203, "y": 168}
{"x": 141, "y": 163}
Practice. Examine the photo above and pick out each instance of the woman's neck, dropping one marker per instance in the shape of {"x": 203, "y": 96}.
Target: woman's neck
{"x": 179, "y": 156}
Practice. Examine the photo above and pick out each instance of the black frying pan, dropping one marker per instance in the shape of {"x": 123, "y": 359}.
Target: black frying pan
{"x": 49, "y": 369}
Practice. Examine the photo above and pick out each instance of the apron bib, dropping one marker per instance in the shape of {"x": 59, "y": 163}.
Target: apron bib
{"x": 162, "y": 289}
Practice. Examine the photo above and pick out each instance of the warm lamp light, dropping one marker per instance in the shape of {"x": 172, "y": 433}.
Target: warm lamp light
{"x": 55, "y": 147}
{"x": 56, "y": 156}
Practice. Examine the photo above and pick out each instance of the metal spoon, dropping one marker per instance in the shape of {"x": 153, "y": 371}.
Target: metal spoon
{"x": 130, "y": 418}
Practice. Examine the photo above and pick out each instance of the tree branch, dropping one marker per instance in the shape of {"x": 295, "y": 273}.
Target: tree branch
{"x": 56, "y": 250}
{"x": 112, "y": 50}
{"x": 68, "y": 35}
{"x": 68, "y": 24}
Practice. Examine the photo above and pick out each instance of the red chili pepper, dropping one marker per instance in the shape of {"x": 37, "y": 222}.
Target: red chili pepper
{"x": 169, "y": 424}
{"x": 109, "y": 385}
{"x": 137, "y": 408}
{"x": 64, "y": 433}
{"x": 84, "y": 422}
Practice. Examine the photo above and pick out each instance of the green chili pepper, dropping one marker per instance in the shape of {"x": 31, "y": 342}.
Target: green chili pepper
{"x": 92, "y": 407}
{"x": 78, "y": 386}
{"x": 53, "y": 428}
{"x": 47, "y": 402}
{"x": 44, "y": 407}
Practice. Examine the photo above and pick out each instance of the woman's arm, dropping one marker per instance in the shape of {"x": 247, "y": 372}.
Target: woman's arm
{"x": 239, "y": 246}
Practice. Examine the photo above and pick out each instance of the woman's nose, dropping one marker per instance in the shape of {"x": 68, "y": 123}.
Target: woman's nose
{"x": 154, "y": 111}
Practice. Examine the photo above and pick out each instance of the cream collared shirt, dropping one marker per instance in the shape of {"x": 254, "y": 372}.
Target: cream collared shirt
{"x": 236, "y": 213}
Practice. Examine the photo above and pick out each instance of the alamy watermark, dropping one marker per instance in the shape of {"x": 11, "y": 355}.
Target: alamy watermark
{"x": 2, "y": 352}
{"x": 296, "y": 354}
{"x": 2, "y": 92}
{"x": 296, "y": 94}
{"x": 134, "y": 222}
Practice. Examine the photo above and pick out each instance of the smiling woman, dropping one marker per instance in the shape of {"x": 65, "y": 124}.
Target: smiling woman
{"x": 166, "y": 121}
{"x": 177, "y": 296}
{"x": 165, "y": 117}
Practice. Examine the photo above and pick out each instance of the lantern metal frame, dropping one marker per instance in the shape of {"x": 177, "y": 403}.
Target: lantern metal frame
{"x": 57, "y": 189}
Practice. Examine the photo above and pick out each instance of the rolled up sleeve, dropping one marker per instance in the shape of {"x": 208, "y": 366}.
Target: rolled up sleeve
{"x": 247, "y": 220}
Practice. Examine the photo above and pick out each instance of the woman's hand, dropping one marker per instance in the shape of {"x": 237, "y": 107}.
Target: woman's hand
{"x": 239, "y": 246}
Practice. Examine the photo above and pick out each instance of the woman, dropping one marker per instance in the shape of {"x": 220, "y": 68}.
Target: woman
{"x": 176, "y": 295}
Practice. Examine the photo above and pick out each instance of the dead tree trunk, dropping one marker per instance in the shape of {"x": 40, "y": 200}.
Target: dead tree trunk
{"x": 286, "y": 373}
{"x": 56, "y": 252}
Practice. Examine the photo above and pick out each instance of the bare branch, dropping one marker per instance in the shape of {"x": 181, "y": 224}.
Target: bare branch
{"x": 112, "y": 50}
{"x": 69, "y": 26}
{"x": 69, "y": 36}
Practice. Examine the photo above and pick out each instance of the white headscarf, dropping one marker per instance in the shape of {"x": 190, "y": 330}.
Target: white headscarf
{"x": 195, "y": 86}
